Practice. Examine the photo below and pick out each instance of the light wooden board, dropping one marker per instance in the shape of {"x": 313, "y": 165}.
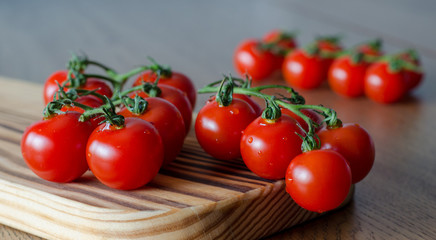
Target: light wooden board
{"x": 196, "y": 197}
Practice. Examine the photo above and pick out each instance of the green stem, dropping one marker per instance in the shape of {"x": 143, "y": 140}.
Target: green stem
{"x": 123, "y": 77}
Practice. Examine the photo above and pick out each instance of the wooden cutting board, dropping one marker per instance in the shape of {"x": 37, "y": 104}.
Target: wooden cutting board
{"x": 196, "y": 197}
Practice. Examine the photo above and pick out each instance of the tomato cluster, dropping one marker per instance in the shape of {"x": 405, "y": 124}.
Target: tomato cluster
{"x": 288, "y": 140}
{"x": 124, "y": 136}
{"x": 362, "y": 70}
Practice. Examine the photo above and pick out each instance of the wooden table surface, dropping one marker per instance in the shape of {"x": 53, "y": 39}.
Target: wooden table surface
{"x": 398, "y": 198}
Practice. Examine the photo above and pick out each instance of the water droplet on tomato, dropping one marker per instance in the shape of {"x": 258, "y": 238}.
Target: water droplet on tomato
{"x": 259, "y": 153}
{"x": 250, "y": 140}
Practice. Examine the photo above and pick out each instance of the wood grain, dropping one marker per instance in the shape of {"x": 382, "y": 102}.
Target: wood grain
{"x": 195, "y": 197}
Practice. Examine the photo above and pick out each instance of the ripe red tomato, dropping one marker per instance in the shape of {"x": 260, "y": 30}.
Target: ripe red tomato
{"x": 90, "y": 101}
{"x": 125, "y": 158}
{"x": 177, "y": 98}
{"x": 329, "y": 46}
{"x": 383, "y": 85}
{"x": 177, "y": 80}
{"x": 251, "y": 59}
{"x": 50, "y": 86}
{"x": 412, "y": 78}
{"x": 54, "y": 149}
{"x": 302, "y": 70}
{"x": 169, "y": 123}
{"x": 219, "y": 128}
{"x": 314, "y": 116}
{"x": 346, "y": 77}
{"x": 372, "y": 48}
{"x": 318, "y": 180}
{"x": 354, "y": 143}
{"x": 282, "y": 40}
{"x": 268, "y": 146}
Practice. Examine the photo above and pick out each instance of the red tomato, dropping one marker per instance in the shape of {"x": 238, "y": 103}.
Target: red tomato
{"x": 354, "y": 143}
{"x": 372, "y": 48}
{"x": 285, "y": 42}
{"x": 125, "y": 158}
{"x": 302, "y": 70}
{"x": 177, "y": 80}
{"x": 346, "y": 77}
{"x": 54, "y": 149}
{"x": 318, "y": 180}
{"x": 330, "y": 46}
{"x": 412, "y": 78}
{"x": 219, "y": 128}
{"x": 177, "y": 98}
{"x": 314, "y": 116}
{"x": 50, "y": 86}
{"x": 169, "y": 123}
{"x": 383, "y": 85}
{"x": 90, "y": 101}
{"x": 250, "y": 59}
{"x": 268, "y": 146}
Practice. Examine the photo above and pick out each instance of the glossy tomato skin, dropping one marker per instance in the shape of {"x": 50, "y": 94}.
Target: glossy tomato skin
{"x": 383, "y": 85}
{"x": 354, "y": 143}
{"x": 177, "y": 80}
{"x": 54, "y": 149}
{"x": 50, "y": 86}
{"x": 125, "y": 158}
{"x": 347, "y": 78}
{"x": 90, "y": 101}
{"x": 219, "y": 128}
{"x": 314, "y": 116}
{"x": 318, "y": 180}
{"x": 177, "y": 98}
{"x": 303, "y": 71}
{"x": 169, "y": 123}
{"x": 250, "y": 59}
{"x": 412, "y": 78}
{"x": 285, "y": 44}
{"x": 268, "y": 147}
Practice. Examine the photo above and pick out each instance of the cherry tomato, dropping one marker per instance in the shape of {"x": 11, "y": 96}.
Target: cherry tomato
{"x": 302, "y": 70}
{"x": 268, "y": 146}
{"x": 354, "y": 143}
{"x": 90, "y": 101}
{"x": 318, "y": 180}
{"x": 283, "y": 41}
{"x": 177, "y": 98}
{"x": 346, "y": 77}
{"x": 54, "y": 149}
{"x": 329, "y": 47}
{"x": 384, "y": 85}
{"x": 371, "y": 48}
{"x": 125, "y": 158}
{"x": 251, "y": 59}
{"x": 412, "y": 78}
{"x": 50, "y": 86}
{"x": 169, "y": 123}
{"x": 177, "y": 80}
{"x": 314, "y": 116}
{"x": 219, "y": 128}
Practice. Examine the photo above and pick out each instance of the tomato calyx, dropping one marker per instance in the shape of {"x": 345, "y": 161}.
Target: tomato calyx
{"x": 136, "y": 105}
{"x": 224, "y": 96}
{"x": 272, "y": 110}
{"x": 111, "y": 117}
{"x": 160, "y": 70}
